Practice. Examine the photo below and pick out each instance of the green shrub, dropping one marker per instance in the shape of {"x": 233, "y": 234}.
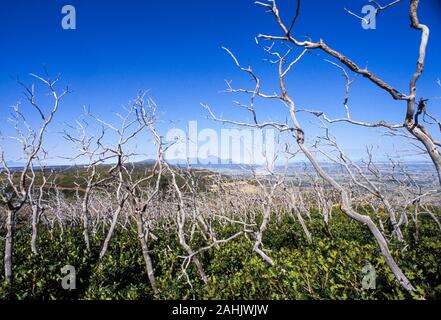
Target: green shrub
{"x": 329, "y": 268}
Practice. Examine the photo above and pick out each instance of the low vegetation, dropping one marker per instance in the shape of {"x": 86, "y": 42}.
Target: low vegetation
{"x": 328, "y": 268}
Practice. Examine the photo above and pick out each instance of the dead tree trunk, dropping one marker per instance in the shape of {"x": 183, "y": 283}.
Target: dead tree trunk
{"x": 346, "y": 207}
{"x": 111, "y": 230}
{"x": 143, "y": 235}
{"x": 9, "y": 245}
{"x": 85, "y": 216}
{"x": 36, "y": 214}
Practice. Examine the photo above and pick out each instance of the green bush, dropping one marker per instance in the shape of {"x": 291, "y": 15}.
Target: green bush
{"x": 329, "y": 268}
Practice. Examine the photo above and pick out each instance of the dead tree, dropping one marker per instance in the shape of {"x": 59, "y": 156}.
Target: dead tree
{"x": 138, "y": 189}
{"x": 38, "y": 197}
{"x": 414, "y": 110}
{"x": 268, "y": 188}
{"x": 90, "y": 148}
{"x": 298, "y": 133}
{"x": 361, "y": 179}
{"x": 181, "y": 219}
{"x": 16, "y": 194}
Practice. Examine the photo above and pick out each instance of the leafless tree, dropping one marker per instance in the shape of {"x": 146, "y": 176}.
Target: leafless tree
{"x": 90, "y": 147}
{"x": 298, "y": 133}
{"x": 413, "y": 109}
{"x": 15, "y": 193}
{"x": 38, "y": 197}
{"x": 360, "y": 178}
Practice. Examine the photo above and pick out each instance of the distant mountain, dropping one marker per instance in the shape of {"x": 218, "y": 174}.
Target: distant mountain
{"x": 228, "y": 166}
{"x": 13, "y": 164}
{"x": 210, "y": 163}
{"x": 147, "y": 161}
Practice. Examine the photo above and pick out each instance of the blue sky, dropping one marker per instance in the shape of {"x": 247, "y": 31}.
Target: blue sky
{"x": 173, "y": 49}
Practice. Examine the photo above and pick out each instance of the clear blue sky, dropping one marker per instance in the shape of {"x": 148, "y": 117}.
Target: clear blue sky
{"x": 173, "y": 49}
